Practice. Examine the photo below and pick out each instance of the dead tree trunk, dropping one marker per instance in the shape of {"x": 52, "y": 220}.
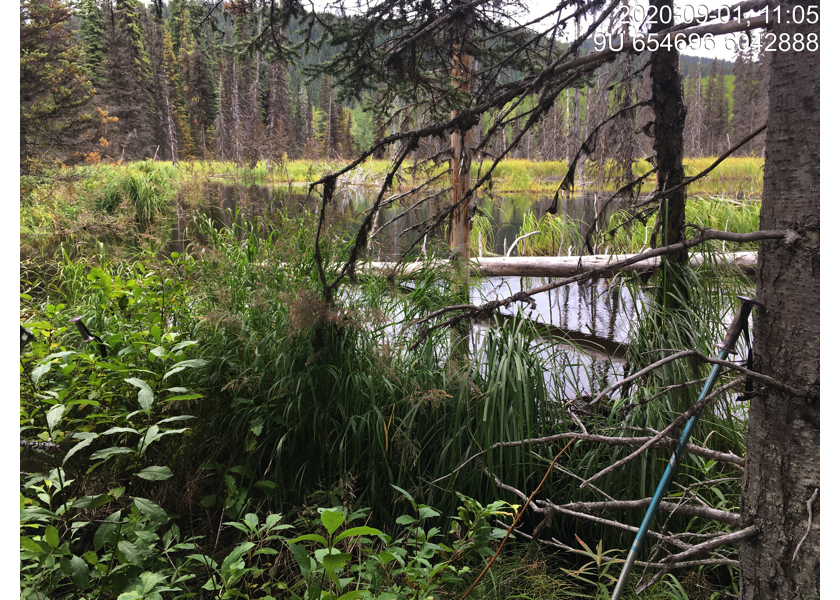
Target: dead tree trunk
{"x": 669, "y": 120}
{"x": 781, "y": 482}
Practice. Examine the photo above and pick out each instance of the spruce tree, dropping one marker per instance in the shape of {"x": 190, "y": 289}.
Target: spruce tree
{"x": 57, "y": 119}
{"x": 125, "y": 94}
{"x": 185, "y": 141}
{"x": 92, "y": 34}
{"x": 197, "y": 89}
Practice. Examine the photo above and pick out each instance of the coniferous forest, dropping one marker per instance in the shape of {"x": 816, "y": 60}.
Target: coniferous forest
{"x": 188, "y": 79}
{"x": 419, "y": 300}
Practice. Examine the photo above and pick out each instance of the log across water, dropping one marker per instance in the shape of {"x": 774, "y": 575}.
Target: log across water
{"x": 567, "y": 266}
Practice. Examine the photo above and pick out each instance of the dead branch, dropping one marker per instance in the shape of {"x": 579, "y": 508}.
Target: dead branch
{"x": 693, "y": 410}
{"x": 671, "y": 563}
{"x": 695, "y": 563}
{"x": 715, "y": 361}
{"x": 362, "y": 235}
{"x": 665, "y": 442}
{"x": 690, "y": 510}
{"x": 579, "y": 478}
{"x": 706, "y": 171}
{"x": 729, "y": 538}
{"x": 810, "y": 506}
{"x": 557, "y": 509}
{"x": 516, "y": 519}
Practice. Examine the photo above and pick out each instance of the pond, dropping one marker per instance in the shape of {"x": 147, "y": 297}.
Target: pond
{"x": 226, "y": 204}
{"x": 594, "y": 315}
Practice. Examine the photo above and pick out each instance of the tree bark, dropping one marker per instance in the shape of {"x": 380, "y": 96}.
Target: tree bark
{"x": 783, "y": 458}
{"x": 669, "y": 120}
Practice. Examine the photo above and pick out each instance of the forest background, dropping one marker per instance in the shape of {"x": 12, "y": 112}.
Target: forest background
{"x": 177, "y": 94}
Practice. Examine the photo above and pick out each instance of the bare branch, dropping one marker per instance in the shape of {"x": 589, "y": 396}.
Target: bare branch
{"x": 681, "y": 509}
{"x": 665, "y": 442}
{"x": 693, "y": 410}
{"x": 810, "y": 506}
{"x": 706, "y": 171}
{"x": 715, "y": 361}
{"x": 729, "y": 538}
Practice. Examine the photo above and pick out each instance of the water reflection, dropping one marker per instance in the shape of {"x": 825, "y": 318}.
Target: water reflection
{"x": 226, "y": 204}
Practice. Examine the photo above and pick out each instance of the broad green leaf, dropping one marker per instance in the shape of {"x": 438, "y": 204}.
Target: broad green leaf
{"x": 155, "y": 473}
{"x": 185, "y": 397}
{"x": 354, "y": 531}
{"x": 155, "y": 331}
{"x": 406, "y": 520}
{"x": 92, "y": 501}
{"x": 191, "y": 363}
{"x": 272, "y": 519}
{"x": 54, "y": 416}
{"x": 301, "y": 556}
{"x": 129, "y": 551}
{"x": 145, "y": 396}
{"x": 159, "y": 351}
{"x": 151, "y": 510}
{"x": 355, "y": 594}
{"x": 182, "y": 345}
{"x": 79, "y": 572}
{"x": 252, "y": 520}
{"x": 152, "y": 435}
{"x": 310, "y": 537}
{"x": 77, "y": 447}
{"x": 210, "y": 501}
{"x": 236, "y": 554}
{"x": 150, "y": 580}
{"x": 51, "y": 536}
{"x": 178, "y": 418}
{"x": 332, "y": 520}
{"x": 107, "y": 531}
{"x": 426, "y": 512}
{"x": 36, "y": 513}
{"x": 120, "y": 430}
{"x": 109, "y": 451}
{"x": 31, "y": 545}
{"x": 406, "y": 494}
{"x": 39, "y": 371}
{"x": 335, "y": 561}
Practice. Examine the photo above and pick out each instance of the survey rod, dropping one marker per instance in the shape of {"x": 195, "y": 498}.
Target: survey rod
{"x": 739, "y": 324}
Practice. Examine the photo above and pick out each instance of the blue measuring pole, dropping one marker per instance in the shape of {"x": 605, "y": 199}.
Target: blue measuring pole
{"x": 667, "y": 477}
{"x": 729, "y": 341}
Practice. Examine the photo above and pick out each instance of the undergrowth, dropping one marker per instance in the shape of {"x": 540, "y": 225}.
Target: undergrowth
{"x": 228, "y": 410}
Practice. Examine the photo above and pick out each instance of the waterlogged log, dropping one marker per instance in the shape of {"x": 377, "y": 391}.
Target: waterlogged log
{"x": 567, "y": 266}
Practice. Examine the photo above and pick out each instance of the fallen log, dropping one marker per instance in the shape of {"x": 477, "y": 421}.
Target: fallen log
{"x": 567, "y": 266}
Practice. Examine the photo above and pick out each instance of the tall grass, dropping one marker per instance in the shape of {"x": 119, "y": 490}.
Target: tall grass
{"x": 628, "y": 235}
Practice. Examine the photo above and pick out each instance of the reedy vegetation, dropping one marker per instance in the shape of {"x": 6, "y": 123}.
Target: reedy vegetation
{"x": 307, "y": 404}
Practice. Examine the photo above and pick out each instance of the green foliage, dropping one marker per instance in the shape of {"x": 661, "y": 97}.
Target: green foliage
{"x": 415, "y": 563}
{"x": 57, "y": 121}
{"x": 148, "y": 187}
{"x": 110, "y": 417}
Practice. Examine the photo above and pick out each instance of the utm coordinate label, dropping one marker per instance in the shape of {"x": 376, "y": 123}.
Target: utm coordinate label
{"x": 631, "y": 29}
